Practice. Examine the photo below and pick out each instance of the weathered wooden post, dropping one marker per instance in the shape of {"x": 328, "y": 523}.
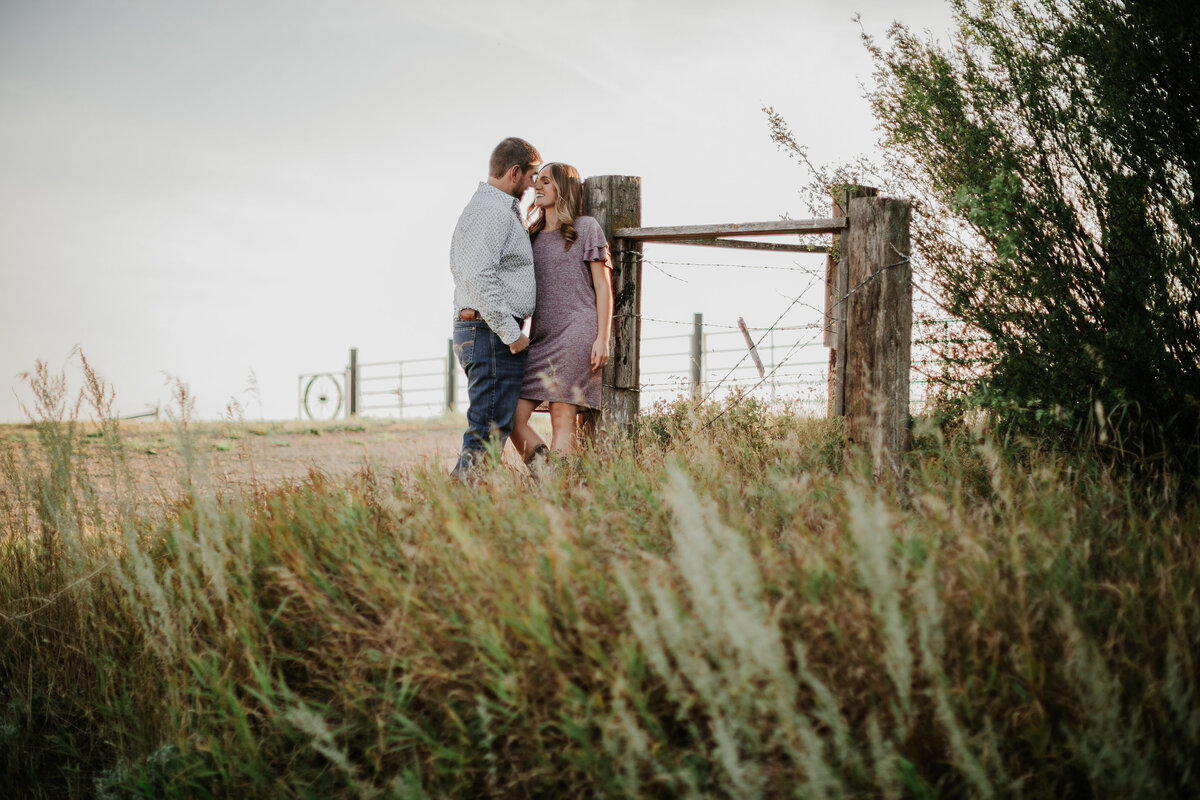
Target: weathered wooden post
{"x": 616, "y": 202}
{"x": 836, "y": 285}
{"x": 352, "y": 384}
{"x": 878, "y": 347}
{"x": 451, "y": 373}
{"x": 697, "y": 362}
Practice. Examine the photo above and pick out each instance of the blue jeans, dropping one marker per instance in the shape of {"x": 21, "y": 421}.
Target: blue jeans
{"x": 494, "y": 378}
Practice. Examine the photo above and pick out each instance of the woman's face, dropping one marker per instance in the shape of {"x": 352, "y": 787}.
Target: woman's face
{"x": 545, "y": 193}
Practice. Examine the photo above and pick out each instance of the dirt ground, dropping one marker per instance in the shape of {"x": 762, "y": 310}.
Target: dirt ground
{"x": 260, "y": 453}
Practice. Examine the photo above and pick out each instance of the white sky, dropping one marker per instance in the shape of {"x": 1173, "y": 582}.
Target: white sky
{"x": 215, "y": 189}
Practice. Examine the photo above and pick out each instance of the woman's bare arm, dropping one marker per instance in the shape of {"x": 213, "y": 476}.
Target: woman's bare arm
{"x": 602, "y": 281}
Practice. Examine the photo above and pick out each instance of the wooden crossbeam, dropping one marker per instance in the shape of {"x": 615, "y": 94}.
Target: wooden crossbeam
{"x": 775, "y": 227}
{"x": 743, "y": 244}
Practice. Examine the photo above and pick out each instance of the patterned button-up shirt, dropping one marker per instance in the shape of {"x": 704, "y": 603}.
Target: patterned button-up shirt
{"x": 492, "y": 262}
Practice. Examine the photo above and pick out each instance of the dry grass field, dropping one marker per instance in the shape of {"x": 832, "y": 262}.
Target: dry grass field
{"x": 248, "y": 454}
{"x": 725, "y": 607}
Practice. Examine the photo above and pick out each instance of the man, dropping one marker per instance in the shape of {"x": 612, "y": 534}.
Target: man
{"x": 492, "y": 263}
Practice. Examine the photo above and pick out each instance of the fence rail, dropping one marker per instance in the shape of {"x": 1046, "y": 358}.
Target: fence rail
{"x": 795, "y": 372}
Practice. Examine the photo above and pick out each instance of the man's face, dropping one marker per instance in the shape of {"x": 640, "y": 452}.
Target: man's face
{"x": 525, "y": 181}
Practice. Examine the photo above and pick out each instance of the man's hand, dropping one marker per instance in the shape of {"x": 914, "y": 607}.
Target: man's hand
{"x": 520, "y": 344}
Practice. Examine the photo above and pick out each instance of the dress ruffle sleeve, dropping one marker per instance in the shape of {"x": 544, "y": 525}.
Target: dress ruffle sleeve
{"x": 591, "y": 243}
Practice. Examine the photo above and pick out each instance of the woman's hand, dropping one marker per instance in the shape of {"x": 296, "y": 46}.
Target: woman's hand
{"x": 599, "y": 352}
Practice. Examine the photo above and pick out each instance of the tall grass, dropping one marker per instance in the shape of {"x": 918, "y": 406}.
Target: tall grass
{"x": 726, "y": 609}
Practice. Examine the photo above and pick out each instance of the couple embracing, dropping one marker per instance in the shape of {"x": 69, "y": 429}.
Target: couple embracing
{"x": 553, "y": 266}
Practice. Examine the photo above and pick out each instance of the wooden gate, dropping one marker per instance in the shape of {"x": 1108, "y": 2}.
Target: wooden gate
{"x": 868, "y": 304}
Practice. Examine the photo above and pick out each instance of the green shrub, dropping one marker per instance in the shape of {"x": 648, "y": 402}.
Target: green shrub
{"x": 1062, "y": 135}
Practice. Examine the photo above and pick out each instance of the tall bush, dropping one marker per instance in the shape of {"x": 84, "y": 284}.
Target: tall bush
{"x": 1052, "y": 153}
{"x": 1063, "y": 135}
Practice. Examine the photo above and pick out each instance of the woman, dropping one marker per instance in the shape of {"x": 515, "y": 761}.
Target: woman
{"x": 568, "y": 339}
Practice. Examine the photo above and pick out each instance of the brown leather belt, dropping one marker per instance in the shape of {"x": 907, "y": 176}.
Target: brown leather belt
{"x": 471, "y": 315}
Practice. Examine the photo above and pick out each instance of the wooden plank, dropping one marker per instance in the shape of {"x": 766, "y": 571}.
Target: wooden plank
{"x": 616, "y": 203}
{"x": 666, "y": 234}
{"x": 741, "y": 244}
{"x": 879, "y": 318}
{"x": 750, "y": 346}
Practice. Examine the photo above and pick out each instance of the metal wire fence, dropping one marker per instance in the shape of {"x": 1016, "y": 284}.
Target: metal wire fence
{"x": 795, "y": 372}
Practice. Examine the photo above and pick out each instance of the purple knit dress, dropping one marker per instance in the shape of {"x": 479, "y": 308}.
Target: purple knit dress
{"x": 559, "y": 368}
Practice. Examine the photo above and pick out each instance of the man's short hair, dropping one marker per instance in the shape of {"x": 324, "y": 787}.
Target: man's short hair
{"x": 513, "y": 151}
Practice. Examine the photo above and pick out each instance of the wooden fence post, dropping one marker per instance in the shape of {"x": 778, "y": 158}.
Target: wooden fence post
{"x": 697, "y": 362}
{"x": 352, "y": 385}
{"x": 879, "y": 321}
{"x": 451, "y": 374}
{"x": 836, "y": 285}
{"x": 616, "y": 202}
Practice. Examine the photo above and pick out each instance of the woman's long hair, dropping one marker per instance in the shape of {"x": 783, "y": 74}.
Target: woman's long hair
{"x": 568, "y": 206}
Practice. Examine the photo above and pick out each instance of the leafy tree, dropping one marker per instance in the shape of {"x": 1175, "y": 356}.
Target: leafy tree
{"x": 1054, "y": 151}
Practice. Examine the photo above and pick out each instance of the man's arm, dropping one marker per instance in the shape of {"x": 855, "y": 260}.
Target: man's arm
{"x": 478, "y": 243}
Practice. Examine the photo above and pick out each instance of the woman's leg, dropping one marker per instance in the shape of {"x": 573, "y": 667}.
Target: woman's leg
{"x": 562, "y": 422}
{"x": 524, "y": 437}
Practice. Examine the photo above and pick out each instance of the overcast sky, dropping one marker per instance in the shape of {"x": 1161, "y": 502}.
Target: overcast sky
{"x": 214, "y": 190}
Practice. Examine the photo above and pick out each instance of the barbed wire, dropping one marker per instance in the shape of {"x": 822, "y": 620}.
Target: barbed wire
{"x": 904, "y": 259}
{"x": 787, "y": 380}
{"x": 760, "y": 382}
{"x": 821, "y": 311}
{"x": 657, "y": 264}
{"x": 769, "y": 330}
{"x": 655, "y": 261}
{"x": 687, "y": 324}
{"x": 876, "y": 273}
{"x": 794, "y": 301}
{"x": 817, "y": 273}
{"x": 731, "y": 328}
{"x": 761, "y": 339}
{"x": 664, "y": 272}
